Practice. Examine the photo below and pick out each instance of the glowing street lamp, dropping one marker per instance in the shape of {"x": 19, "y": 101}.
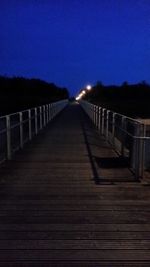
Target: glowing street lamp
{"x": 88, "y": 87}
{"x": 83, "y": 92}
{"x": 79, "y": 97}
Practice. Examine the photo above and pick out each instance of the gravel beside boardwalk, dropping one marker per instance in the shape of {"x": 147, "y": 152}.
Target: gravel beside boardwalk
{"x": 68, "y": 200}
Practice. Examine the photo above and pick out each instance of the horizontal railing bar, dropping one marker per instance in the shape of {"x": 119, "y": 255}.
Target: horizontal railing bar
{"x": 116, "y": 129}
{"x": 26, "y": 110}
{"x": 35, "y": 118}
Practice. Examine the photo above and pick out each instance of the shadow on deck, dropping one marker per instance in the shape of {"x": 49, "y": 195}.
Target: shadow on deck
{"x": 68, "y": 200}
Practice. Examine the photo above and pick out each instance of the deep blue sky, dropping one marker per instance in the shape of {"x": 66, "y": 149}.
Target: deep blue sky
{"x": 75, "y": 42}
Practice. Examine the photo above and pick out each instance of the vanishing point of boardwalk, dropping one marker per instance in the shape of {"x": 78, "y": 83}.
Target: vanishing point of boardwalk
{"x": 64, "y": 203}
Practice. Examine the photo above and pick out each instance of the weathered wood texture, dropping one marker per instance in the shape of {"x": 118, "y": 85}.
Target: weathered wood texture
{"x": 64, "y": 202}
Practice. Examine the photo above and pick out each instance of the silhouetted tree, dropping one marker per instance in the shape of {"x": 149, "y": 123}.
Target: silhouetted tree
{"x": 131, "y": 100}
{"x": 18, "y": 93}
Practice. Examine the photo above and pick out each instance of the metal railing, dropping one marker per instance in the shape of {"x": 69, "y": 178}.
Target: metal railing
{"x": 126, "y": 135}
{"x": 18, "y": 128}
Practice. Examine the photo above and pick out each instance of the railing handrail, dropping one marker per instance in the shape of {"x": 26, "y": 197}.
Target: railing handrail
{"x": 117, "y": 128}
{"x": 32, "y": 108}
{"x": 120, "y": 114}
{"x": 34, "y": 123}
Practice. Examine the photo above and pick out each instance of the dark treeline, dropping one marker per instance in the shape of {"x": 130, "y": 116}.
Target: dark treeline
{"x": 19, "y": 93}
{"x": 131, "y": 100}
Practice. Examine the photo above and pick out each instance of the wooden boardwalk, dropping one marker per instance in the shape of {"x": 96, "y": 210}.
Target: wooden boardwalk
{"x": 67, "y": 199}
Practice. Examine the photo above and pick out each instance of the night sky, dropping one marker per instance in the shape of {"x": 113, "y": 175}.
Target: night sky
{"x": 76, "y": 42}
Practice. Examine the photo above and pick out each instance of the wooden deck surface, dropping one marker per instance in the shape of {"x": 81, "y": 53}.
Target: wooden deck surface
{"x": 68, "y": 200}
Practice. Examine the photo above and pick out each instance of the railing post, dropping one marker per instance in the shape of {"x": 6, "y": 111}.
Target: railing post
{"x": 136, "y": 152}
{"x": 113, "y": 128}
{"x": 52, "y": 111}
{"x": 47, "y": 115}
{"x": 99, "y": 116}
{"x": 95, "y": 114}
{"x": 123, "y": 135}
{"x": 94, "y": 119}
{"x": 103, "y": 114}
{"x": 49, "y": 112}
{"x": 33, "y": 119}
{"x": 36, "y": 124}
{"x": 44, "y": 115}
{"x": 144, "y": 147}
{"x": 30, "y": 129}
{"x": 107, "y": 124}
{"x": 21, "y": 129}
{"x": 40, "y": 117}
{"x": 136, "y": 157}
{"x": 142, "y": 150}
{"x": 8, "y": 133}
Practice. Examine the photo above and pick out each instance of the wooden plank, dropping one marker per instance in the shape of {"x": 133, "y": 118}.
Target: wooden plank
{"x": 74, "y": 228}
{"x": 49, "y": 207}
{"x": 76, "y": 263}
{"x": 53, "y": 211}
{"x": 85, "y": 255}
{"x": 75, "y": 244}
{"x": 48, "y": 234}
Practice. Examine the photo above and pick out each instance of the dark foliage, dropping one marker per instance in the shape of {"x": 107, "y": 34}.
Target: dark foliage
{"x": 131, "y": 100}
{"x": 18, "y": 93}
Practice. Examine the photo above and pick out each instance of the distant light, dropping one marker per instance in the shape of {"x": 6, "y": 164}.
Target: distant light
{"x": 80, "y": 95}
{"x": 89, "y": 87}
